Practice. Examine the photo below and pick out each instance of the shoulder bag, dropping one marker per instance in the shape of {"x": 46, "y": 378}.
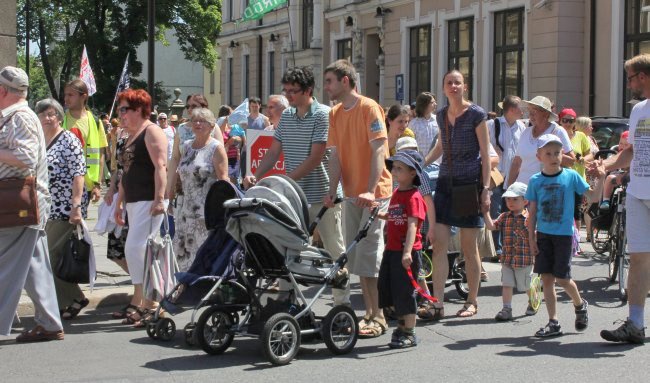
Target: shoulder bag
{"x": 464, "y": 198}
{"x": 19, "y": 205}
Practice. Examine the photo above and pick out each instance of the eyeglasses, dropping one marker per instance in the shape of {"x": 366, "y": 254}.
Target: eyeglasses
{"x": 124, "y": 109}
{"x": 292, "y": 92}
{"x": 568, "y": 120}
{"x": 47, "y": 115}
{"x": 629, "y": 78}
{"x": 198, "y": 122}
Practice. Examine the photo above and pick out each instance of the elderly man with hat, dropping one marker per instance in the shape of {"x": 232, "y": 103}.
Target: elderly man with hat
{"x": 542, "y": 121}
{"x": 24, "y": 258}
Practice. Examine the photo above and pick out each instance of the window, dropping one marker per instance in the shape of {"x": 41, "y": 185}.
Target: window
{"x": 245, "y": 77}
{"x": 508, "y": 54}
{"x": 271, "y": 73}
{"x": 419, "y": 61}
{"x": 344, "y": 49}
{"x": 211, "y": 82}
{"x": 229, "y": 73}
{"x": 229, "y": 10}
{"x": 637, "y": 39}
{"x": 460, "y": 49}
{"x": 307, "y": 23}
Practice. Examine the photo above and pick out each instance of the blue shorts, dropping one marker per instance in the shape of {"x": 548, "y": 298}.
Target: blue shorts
{"x": 442, "y": 201}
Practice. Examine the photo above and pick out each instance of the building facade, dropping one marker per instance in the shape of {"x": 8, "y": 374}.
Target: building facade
{"x": 8, "y": 34}
{"x": 571, "y": 51}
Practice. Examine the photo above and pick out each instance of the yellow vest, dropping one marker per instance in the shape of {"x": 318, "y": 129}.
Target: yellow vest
{"x": 91, "y": 149}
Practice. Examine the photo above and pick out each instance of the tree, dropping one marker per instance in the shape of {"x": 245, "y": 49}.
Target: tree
{"x": 110, "y": 29}
{"x": 38, "y": 88}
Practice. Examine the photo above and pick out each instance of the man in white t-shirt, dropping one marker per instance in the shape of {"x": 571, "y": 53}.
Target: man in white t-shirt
{"x": 637, "y": 203}
{"x": 169, "y": 132}
{"x": 505, "y": 132}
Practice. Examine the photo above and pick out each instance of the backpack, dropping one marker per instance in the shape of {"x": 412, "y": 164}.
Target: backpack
{"x": 497, "y": 133}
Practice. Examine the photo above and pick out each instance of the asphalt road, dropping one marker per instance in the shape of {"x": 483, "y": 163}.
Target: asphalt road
{"x": 98, "y": 348}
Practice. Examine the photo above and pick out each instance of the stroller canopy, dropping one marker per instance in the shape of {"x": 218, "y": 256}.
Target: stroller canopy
{"x": 289, "y": 189}
{"x": 214, "y": 211}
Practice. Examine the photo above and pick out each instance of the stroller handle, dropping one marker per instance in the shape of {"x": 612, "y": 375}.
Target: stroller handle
{"x": 320, "y": 215}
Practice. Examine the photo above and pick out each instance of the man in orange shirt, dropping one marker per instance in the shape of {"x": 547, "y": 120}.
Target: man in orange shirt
{"x": 358, "y": 139}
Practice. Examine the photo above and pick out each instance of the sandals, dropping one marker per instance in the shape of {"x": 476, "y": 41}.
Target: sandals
{"x": 374, "y": 328}
{"x": 39, "y": 334}
{"x": 74, "y": 309}
{"x": 133, "y": 315}
{"x": 425, "y": 313}
{"x": 469, "y": 310}
{"x": 365, "y": 321}
{"x": 121, "y": 314}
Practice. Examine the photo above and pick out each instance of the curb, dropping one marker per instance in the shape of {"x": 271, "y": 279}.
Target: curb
{"x": 98, "y": 299}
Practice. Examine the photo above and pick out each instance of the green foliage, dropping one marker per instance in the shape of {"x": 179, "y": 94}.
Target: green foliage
{"x": 111, "y": 29}
{"x": 38, "y": 88}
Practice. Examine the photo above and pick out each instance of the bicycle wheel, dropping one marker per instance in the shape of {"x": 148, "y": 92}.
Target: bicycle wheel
{"x": 599, "y": 241}
{"x": 612, "y": 260}
{"x": 426, "y": 268}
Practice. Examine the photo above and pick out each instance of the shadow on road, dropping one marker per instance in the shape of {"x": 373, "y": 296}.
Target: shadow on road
{"x": 523, "y": 347}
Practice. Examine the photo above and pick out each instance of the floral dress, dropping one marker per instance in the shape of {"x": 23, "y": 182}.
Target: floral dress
{"x": 115, "y": 247}
{"x": 197, "y": 175}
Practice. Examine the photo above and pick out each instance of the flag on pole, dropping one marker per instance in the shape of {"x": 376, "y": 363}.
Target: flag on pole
{"x": 86, "y": 74}
{"x": 258, "y": 8}
{"x": 125, "y": 80}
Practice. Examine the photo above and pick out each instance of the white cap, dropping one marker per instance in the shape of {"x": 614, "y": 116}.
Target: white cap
{"x": 162, "y": 115}
{"x": 517, "y": 189}
{"x": 546, "y": 139}
{"x": 14, "y": 78}
{"x": 406, "y": 143}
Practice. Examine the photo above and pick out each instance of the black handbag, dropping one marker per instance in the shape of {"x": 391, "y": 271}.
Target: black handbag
{"x": 464, "y": 198}
{"x": 73, "y": 263}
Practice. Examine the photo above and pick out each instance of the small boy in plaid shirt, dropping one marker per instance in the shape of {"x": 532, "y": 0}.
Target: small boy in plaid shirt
{"x": 517, "y": 259}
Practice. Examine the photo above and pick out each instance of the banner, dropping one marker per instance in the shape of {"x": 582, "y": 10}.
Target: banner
{"x": 86, "y": 74}
{"x": 258, "y": 8}
{"x": 258, "y": 142}
{"x": 125, "y": 80}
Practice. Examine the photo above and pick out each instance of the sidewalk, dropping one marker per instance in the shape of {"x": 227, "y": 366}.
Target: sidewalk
{"x": 112, "y": 286}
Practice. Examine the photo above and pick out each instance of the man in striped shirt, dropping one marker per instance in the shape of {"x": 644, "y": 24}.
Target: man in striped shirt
{"x": 24, "y": 258}
{"x": 301, "y": 135}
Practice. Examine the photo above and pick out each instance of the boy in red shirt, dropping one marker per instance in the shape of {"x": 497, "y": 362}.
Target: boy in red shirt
{"x": 405, "y": 215}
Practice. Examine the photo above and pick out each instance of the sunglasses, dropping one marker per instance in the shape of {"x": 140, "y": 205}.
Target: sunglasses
{"x": 568, "y": 120}
{"x": 162, "y": 119}
{"x": 124, "y": 109}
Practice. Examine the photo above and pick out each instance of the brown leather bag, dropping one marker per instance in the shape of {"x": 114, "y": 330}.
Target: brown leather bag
{"x": 18, "y": 202}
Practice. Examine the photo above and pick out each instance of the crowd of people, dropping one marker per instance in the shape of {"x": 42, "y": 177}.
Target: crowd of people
{"x": 506, "y": 188}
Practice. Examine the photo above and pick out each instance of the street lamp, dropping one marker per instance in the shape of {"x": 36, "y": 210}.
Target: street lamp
{"x": 151, "y": 15}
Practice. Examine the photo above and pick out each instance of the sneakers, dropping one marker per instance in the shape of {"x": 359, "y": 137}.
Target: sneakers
{"x": 582, "y": 317}
{"x": 627, "y": 332}
{"x": 552, "y": 329}
{"x": 394, "y": 338}
{"x": 403, "y": 340}
{"x": 604, "y": 206}
{"x": 484, "y": 276}
{"x": 530, "y": 311}
{"x": 504, "y": 315}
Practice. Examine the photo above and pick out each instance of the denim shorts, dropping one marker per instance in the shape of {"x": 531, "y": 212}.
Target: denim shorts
{"x": 442, "y": 200}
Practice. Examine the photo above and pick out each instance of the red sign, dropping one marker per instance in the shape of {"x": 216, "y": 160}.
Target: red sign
{"x": 258, "y": 143}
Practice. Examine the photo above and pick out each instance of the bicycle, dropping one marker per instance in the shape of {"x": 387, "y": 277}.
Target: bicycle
{"x": 618, "y": 260}
{"x": 456, "y": 276}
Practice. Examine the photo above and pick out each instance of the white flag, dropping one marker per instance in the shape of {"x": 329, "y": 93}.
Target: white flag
{"x": 86, "y": 74}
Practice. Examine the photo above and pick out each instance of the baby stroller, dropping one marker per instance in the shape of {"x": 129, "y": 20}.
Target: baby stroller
{"x": 199, "y": 285}
{"x": 271, "y": 223}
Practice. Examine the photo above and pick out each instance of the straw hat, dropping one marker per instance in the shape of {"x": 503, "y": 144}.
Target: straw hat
{"x": 543, "y": 103}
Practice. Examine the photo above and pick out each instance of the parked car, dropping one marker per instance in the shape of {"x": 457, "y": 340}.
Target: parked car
{"x": 608, "y": 130}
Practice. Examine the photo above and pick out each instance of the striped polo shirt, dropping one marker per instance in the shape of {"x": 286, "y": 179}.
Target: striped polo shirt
{"x": 22, "y": 135}
{"x": 297, "y": 136}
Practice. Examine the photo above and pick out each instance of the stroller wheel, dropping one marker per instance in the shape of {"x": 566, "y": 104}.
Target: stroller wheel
{"x": 165, "y": 329}
{"x": 151, "y": 330}
{"x": 214, "y": 331}
{"x": 340, "y": 330}
{"x": 462, "y": 288}
{"x": 190, "y": 331}
{"x": 281, "y": 338}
